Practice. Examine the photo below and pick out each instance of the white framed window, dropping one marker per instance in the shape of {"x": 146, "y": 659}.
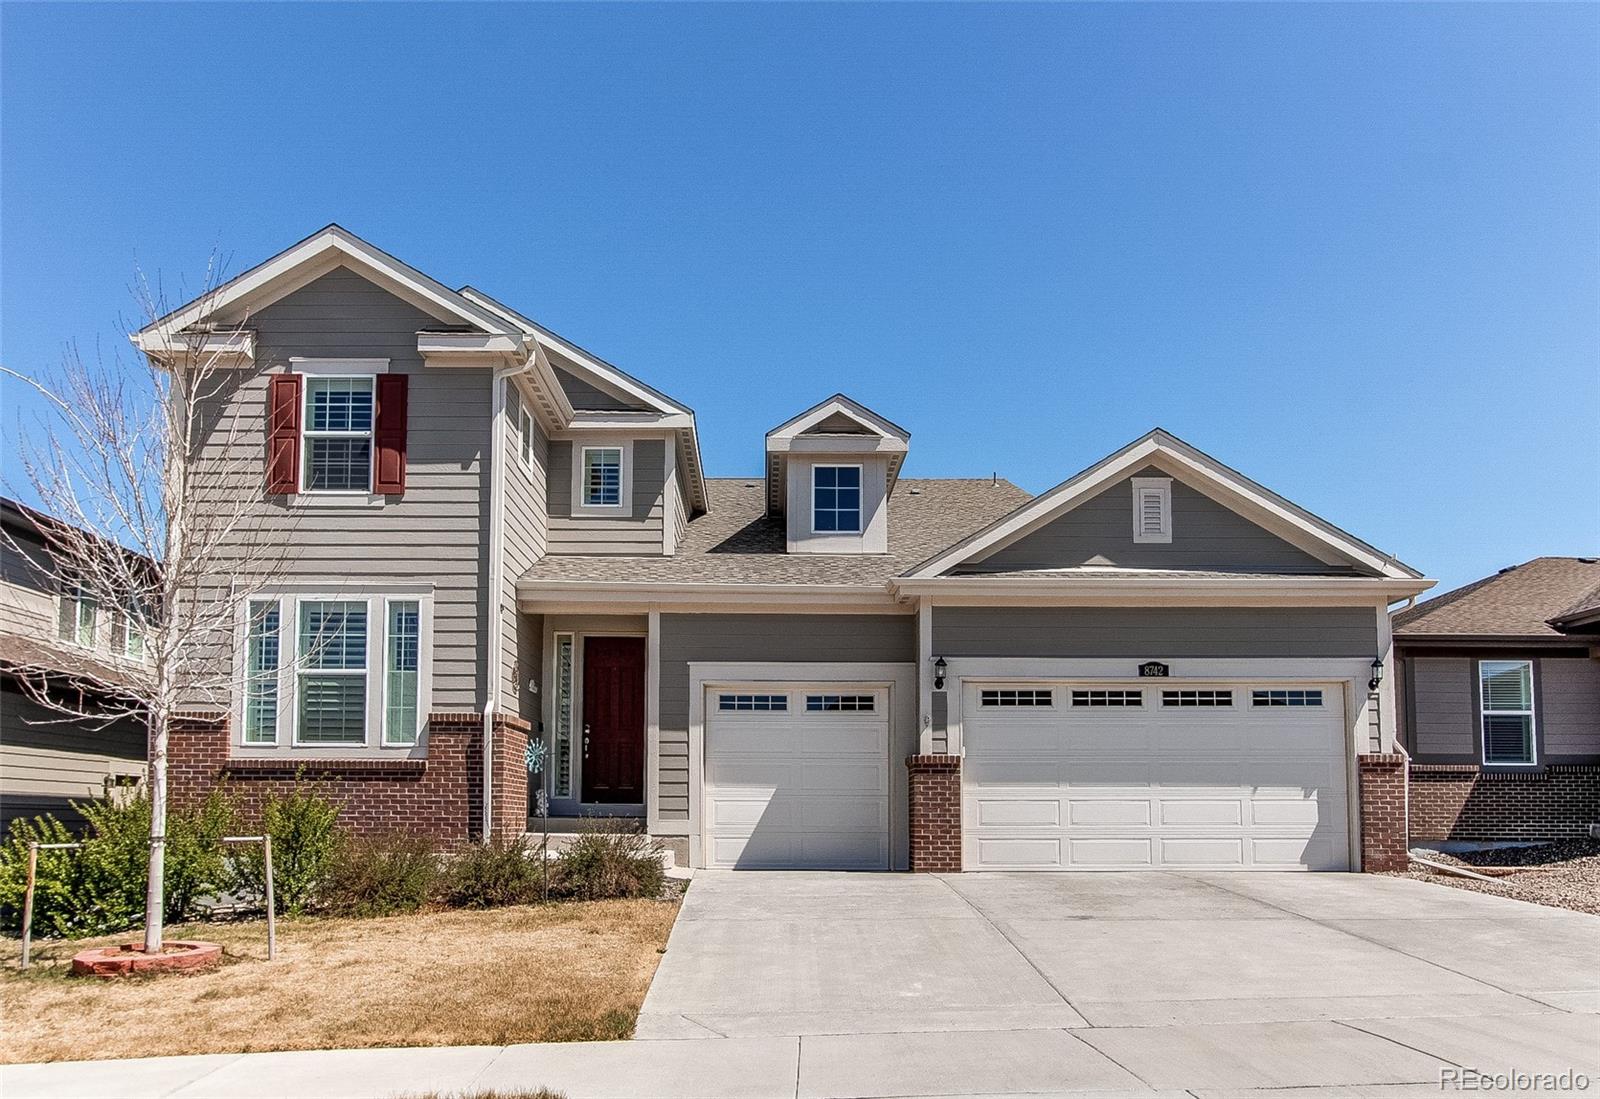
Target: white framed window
{"x": 1108, "y": 699}
{"x": 841, "y": 704}
{"x": 1008, "y": 698}
{"x": 263, "y": 632}
{"x": 1505, "y": 692}
{"x": 77, "y": 617}
{"x": 337, "y": 433}
{"x": 1279, "y": 698}
{"x": 525, "y": 435}
{"x": 602, "y": 477}
{"x": 334, "y": 669}
{"x": 836, "y": 499}
{"x": 736, "y": 703}
{"x": 1152, "y": 509}
{"x": 1197, "y": 699}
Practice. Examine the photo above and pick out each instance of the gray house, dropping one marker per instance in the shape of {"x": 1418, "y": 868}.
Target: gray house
{"x": 54, "y": 639}
{"x": 1158, "y": 663}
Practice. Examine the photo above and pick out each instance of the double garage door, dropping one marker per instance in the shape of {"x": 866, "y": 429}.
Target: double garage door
{"x": 797, "y": 778}
{"x": 1175, "y": 775}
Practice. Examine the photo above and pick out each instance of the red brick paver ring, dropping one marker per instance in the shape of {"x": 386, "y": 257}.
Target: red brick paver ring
{"x": 120, "y": 961}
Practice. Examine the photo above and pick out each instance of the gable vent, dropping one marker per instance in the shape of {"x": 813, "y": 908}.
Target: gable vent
{"x": 1152, "y": 509}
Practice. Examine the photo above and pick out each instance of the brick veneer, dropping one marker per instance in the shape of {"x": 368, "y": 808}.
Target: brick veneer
{"x": 1383, "y": 812}
{"x": 1462, "y": 802}
{"x": 441, "y": 795}
{"x": 935, "y": 814}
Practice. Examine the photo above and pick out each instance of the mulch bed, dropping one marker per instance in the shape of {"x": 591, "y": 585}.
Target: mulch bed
{"x": 1565, "y": 874}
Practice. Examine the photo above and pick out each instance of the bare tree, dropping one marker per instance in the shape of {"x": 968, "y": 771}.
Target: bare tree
{"x": 153, "y": 498}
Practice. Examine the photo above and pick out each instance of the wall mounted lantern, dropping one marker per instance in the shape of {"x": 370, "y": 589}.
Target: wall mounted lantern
{"x": 939, "y": 668}
{"x": 1377, "y": 673}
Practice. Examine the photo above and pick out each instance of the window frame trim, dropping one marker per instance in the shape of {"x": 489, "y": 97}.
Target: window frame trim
{"x": 861, "y": 491}
{"x": 376, "y": 595}
{"x": 1531, "y": 713}
{"x": 335, "y": 369}
{"x": 623, "y": 508}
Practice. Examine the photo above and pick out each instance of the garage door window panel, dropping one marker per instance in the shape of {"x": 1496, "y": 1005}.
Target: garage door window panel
{"x": 1010, "y": 698}
{"x": 1197, "y": 699}
{"x": 1277, "y": 699}
{"x": 752, "y": 703}
{"x": 1097, "y": 699}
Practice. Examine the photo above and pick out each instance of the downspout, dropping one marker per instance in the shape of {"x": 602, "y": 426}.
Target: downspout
{"x": 496, "y": 581}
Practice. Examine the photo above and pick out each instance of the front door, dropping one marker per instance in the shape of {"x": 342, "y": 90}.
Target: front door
{"x": 613, "y": 720}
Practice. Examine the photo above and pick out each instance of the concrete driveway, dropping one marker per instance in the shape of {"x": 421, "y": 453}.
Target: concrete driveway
{"x": 912, "y": 984}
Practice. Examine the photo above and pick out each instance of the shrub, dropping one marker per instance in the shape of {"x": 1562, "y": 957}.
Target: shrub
{"x": 493, "y": 874}
{"x": 100, "y": 887}
{"x": 602, "y": 865}
{"x": 303, "y": 825}
{"x": 383, "y": 876}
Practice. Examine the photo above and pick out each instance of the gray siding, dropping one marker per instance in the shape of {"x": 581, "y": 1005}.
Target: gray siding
{"x": 1154, "y": 632}
{"x": 1570, "y": 709}
{"x": 588, "y": 398}
{"x": 1205, "y": 535}
{"x": 1443, "y": 726}
{"x": 526, "y": 533}
{"x": 636, "y": 534}
{"x": 807, "y": 638}
{"x": 45, "y": 763}
{"x": 434, "y": 534}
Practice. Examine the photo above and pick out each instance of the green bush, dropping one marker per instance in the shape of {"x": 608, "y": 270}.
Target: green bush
{"x": 493, "y": 874}
{"x": 602, "y": 865}
{"x": 100, "y": 888}
{"x": 303, "y": 825}
{"x": 382, "y": 876}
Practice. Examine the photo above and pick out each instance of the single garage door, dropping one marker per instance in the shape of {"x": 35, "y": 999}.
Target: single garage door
{"x": 1085, "y": 776}
{"x": 797, "y": 778}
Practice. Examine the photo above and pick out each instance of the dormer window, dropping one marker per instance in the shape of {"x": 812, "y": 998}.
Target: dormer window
{"x": 602, "y": 477}
{"x": 1152, "y": 509}
{"x": 836, "y": 499}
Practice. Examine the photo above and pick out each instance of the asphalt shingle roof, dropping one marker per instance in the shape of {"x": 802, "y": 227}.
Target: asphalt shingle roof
{"x": 738, "y": 543}
{"x": 1515, "y": 602}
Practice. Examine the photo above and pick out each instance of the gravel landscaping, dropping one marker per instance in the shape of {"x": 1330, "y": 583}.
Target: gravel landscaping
{"x": 1562, "y": 875}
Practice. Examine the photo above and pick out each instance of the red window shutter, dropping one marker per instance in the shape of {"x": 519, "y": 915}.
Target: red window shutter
{"x": 283, "y": 434}
{"x": 389, "y": 432}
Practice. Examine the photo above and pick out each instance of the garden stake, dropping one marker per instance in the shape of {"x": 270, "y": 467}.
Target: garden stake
{"x": 27, "y": 897}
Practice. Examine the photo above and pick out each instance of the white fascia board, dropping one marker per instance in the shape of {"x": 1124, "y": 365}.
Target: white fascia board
{"x": 538, "y": 596}
{"x": 627, "y": 421}
{"x": 838, "y": 444}
{"x": 223, "y": 348}
{"x": 1164, "y": 450}
{"x": 838, "y": 404}
{"x": 1130, "y": 591}
{"x": 317, "y": 254}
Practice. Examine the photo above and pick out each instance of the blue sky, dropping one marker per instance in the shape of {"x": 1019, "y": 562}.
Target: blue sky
{"x": 1352, "y": 250}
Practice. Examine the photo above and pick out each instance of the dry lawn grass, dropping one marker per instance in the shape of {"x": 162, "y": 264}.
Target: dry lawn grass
{"x": 553, "y": 973}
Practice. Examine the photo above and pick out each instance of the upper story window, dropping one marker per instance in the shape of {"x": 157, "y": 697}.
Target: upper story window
{"x": 602, "y": 477}
{"x": 1506, "y": 699}
{"x": 525, "y": 434}
{"x": 1152, "y": 509}
{"x": 338, "y": 434}
{"x": 77, "y": 616}
{"x": 836, "y": 499}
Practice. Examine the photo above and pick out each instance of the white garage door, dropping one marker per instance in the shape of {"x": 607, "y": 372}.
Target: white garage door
{"x": 797, "y": 778}
{"x": 1082, "y": 776}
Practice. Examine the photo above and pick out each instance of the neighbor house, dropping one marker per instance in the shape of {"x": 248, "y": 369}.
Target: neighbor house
{"x": 1500, "y": 704}
{"x": 496, "y": 535}
{"x": 57, "y": 642}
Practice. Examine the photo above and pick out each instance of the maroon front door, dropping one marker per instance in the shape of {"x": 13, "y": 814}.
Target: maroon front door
{"x": 613, "y": 720}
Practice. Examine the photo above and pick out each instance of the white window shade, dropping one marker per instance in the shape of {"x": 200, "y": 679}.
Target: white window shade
{"x": 1506, "y": 693}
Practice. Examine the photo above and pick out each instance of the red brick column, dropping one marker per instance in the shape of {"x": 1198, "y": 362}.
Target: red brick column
{"x": 509, "y": 804}
{"x": 935, "y": 814}
{"x": 1384, "y": 841}
{"x": 197, "y": 750}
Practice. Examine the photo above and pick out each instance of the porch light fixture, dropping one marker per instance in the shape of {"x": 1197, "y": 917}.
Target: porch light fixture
{"x": 1377, "y": 673}
{"x": 939, "y": 668}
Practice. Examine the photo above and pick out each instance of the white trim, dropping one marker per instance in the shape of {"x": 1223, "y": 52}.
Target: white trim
{"x": 618, "y": 597}
{"x": 1069, "y": 588}
{"x": 652, "y": 723}
{"x": 1162, "y": 488}
{"x": 375, "y": 596}
{"x": 1530, "y": 713}
{"x": 898, "y": 679}
{"x": 781, "y": 435}
{"x": 337, "y": 368}
{"x": 1196, "y": 469}
{"x": 624, "y": 503}
{"x": 333, "y": 370}
{"x": 861, "y": 492}
{"x": 925, "y": 678}
{"x": 328, "y": 248}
